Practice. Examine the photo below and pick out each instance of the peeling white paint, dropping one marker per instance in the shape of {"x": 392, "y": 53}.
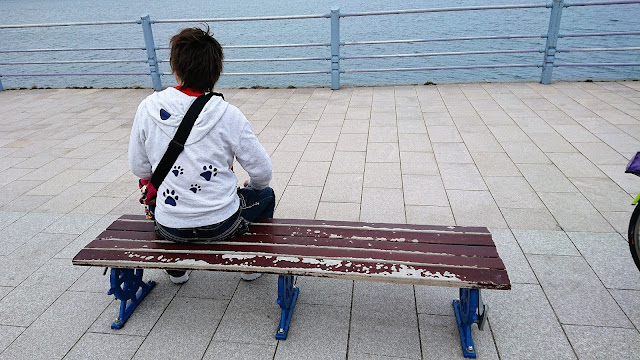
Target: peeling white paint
{"x": 324, "y": 262}
{"x": 410, "y": 271}
{"x": 363, "y": 238}
{"x": 191, "y": 262}
{"x": 237, "y": 256}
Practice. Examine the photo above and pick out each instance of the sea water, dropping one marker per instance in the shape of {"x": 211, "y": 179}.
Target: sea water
{"x": 614, "y": 18}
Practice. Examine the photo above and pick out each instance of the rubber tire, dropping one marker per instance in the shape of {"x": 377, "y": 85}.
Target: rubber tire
{"x": 634, "y": 236}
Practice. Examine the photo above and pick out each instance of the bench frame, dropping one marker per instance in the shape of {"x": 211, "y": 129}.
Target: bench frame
{"x": 128, "y": 287}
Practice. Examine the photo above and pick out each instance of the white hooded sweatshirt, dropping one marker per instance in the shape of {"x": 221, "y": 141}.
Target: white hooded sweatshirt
{"x": 200, "y": 188}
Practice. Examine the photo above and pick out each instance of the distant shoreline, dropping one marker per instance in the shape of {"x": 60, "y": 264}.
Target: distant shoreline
{"x": 260, "y": 87}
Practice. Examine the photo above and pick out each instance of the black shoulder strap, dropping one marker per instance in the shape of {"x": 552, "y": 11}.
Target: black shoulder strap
{"x": 177, "y": 143}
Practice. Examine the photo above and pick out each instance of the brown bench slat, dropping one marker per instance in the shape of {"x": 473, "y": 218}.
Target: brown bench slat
{"x": 326, "y": 223}
{"x": 132, "y": 225}
{"x": 130, "y": 235}
{"x": 351, "y": 269}
{"x": 351, "y": 233}
{"x": 460, "y": 250}
{"x": 374, "y": 234}
{"x": 310, "y": 252}
{"x": 133, "y": 217}
{"x": 302, "y": 222}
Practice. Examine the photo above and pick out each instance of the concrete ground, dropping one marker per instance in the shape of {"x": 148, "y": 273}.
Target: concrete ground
{"x": 541, "y": 165}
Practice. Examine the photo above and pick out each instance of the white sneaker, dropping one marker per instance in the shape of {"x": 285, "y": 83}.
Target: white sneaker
{"x": 250, "y": 276}
{"x": 179, "y": 279}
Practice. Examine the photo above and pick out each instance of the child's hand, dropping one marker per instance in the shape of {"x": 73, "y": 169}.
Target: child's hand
{"x": 246, "y": 183}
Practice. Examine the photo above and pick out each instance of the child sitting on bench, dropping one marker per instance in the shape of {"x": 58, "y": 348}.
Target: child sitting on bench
{"x": 199, "y": 199}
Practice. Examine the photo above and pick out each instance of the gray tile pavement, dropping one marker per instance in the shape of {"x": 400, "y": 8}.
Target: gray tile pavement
{"x": 329, "y": 325}
{"x": 585, "y": 339}
{"x": 172, "y": 337}
{"x": 576, "y": 293}
{"x": 439, "y": 334}
{"x": 239, "y": 350}
{"x": 541, "y": 165}
{"x": 385, "y": 328}
{"x": 526, "y": 327}
{"x": 102, "y": 346}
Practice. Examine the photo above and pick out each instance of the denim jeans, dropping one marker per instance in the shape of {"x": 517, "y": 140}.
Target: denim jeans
{"x": 254, "y": 204}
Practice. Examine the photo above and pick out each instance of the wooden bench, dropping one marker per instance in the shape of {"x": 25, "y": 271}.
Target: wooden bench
{"x": 452, "y": 256}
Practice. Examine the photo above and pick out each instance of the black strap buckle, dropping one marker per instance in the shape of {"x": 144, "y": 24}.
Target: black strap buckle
{"x": 176, "y": 145}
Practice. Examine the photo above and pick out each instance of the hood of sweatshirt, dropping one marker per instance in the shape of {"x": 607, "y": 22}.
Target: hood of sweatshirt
{"x": 168, "y": 107}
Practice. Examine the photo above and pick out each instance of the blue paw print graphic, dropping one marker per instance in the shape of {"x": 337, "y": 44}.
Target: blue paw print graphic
{"x": 177, "y": 170}
{"x": 195, "y": 188}
{"x": 171, "y": 197}
{"x": 208, "y": 172}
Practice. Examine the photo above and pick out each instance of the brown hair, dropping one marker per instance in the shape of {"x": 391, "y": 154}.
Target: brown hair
{"x": 196, "y": 58}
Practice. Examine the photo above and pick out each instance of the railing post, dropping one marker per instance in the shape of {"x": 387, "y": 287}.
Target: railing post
{"x": 152, "y": 58}
{"x": 335, "y": 48}
{"x": 552, "y": 41}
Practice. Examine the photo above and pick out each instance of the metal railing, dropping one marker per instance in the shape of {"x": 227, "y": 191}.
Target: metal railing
{"x": 337, "y": 61}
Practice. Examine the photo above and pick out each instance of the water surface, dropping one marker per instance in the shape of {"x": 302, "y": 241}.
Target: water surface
{"x": 415, "y": 26}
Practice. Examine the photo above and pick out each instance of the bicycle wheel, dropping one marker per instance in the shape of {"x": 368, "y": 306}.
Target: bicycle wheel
{"x": 634, "y": 235}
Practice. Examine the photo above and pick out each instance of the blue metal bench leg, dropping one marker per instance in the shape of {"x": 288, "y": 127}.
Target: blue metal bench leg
{"x": 469, "y": 309}
{"x": 287, "y": 296}
{"x": 128, "y": 287}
